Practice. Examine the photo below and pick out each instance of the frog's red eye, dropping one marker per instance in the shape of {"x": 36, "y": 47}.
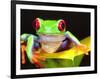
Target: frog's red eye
{"x": 61, "y": 25}
{"x": 36, "y": 24}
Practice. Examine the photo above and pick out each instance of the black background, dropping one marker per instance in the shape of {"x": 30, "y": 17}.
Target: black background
{"x": 78, "y": 24}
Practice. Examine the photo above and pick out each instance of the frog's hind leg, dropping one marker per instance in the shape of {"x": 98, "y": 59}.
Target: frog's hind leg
{"x": 23, "y": 47}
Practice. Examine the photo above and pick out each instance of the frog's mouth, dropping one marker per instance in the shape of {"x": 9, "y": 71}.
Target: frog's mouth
{"x": 50, "y": 43}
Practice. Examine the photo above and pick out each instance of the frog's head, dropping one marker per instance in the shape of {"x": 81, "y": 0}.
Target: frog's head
{"x": 51, "y": 32}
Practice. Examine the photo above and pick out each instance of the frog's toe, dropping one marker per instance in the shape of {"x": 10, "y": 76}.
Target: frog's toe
{"x": 83, "y": 48}
{"x": 37, "y": 61}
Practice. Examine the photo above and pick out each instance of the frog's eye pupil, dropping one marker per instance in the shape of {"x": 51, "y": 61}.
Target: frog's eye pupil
{"x": 61, "y": 25}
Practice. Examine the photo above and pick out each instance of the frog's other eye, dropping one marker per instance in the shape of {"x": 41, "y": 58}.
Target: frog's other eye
{"x": 61, "y": 25}
{"x": 36, "y": 23}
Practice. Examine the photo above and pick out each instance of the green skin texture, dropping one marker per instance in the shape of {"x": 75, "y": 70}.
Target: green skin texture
{"x": 49, "y": 27}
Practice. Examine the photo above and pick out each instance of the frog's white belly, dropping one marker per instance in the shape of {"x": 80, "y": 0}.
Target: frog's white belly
{"x": 50, "y": 43}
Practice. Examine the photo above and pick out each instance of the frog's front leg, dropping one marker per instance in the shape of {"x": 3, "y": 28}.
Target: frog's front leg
{"x": 77, "y": 43}
{"x": 31, "y": 45}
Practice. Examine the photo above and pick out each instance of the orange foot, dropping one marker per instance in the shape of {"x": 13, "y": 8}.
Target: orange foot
{"x": 36, "y": 59}
{"x": 23, "y": 53}
{"x": 83, "y": 48}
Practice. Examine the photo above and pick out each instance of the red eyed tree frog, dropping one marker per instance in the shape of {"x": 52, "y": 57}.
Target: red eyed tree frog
{"x": 52, "y": 37}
